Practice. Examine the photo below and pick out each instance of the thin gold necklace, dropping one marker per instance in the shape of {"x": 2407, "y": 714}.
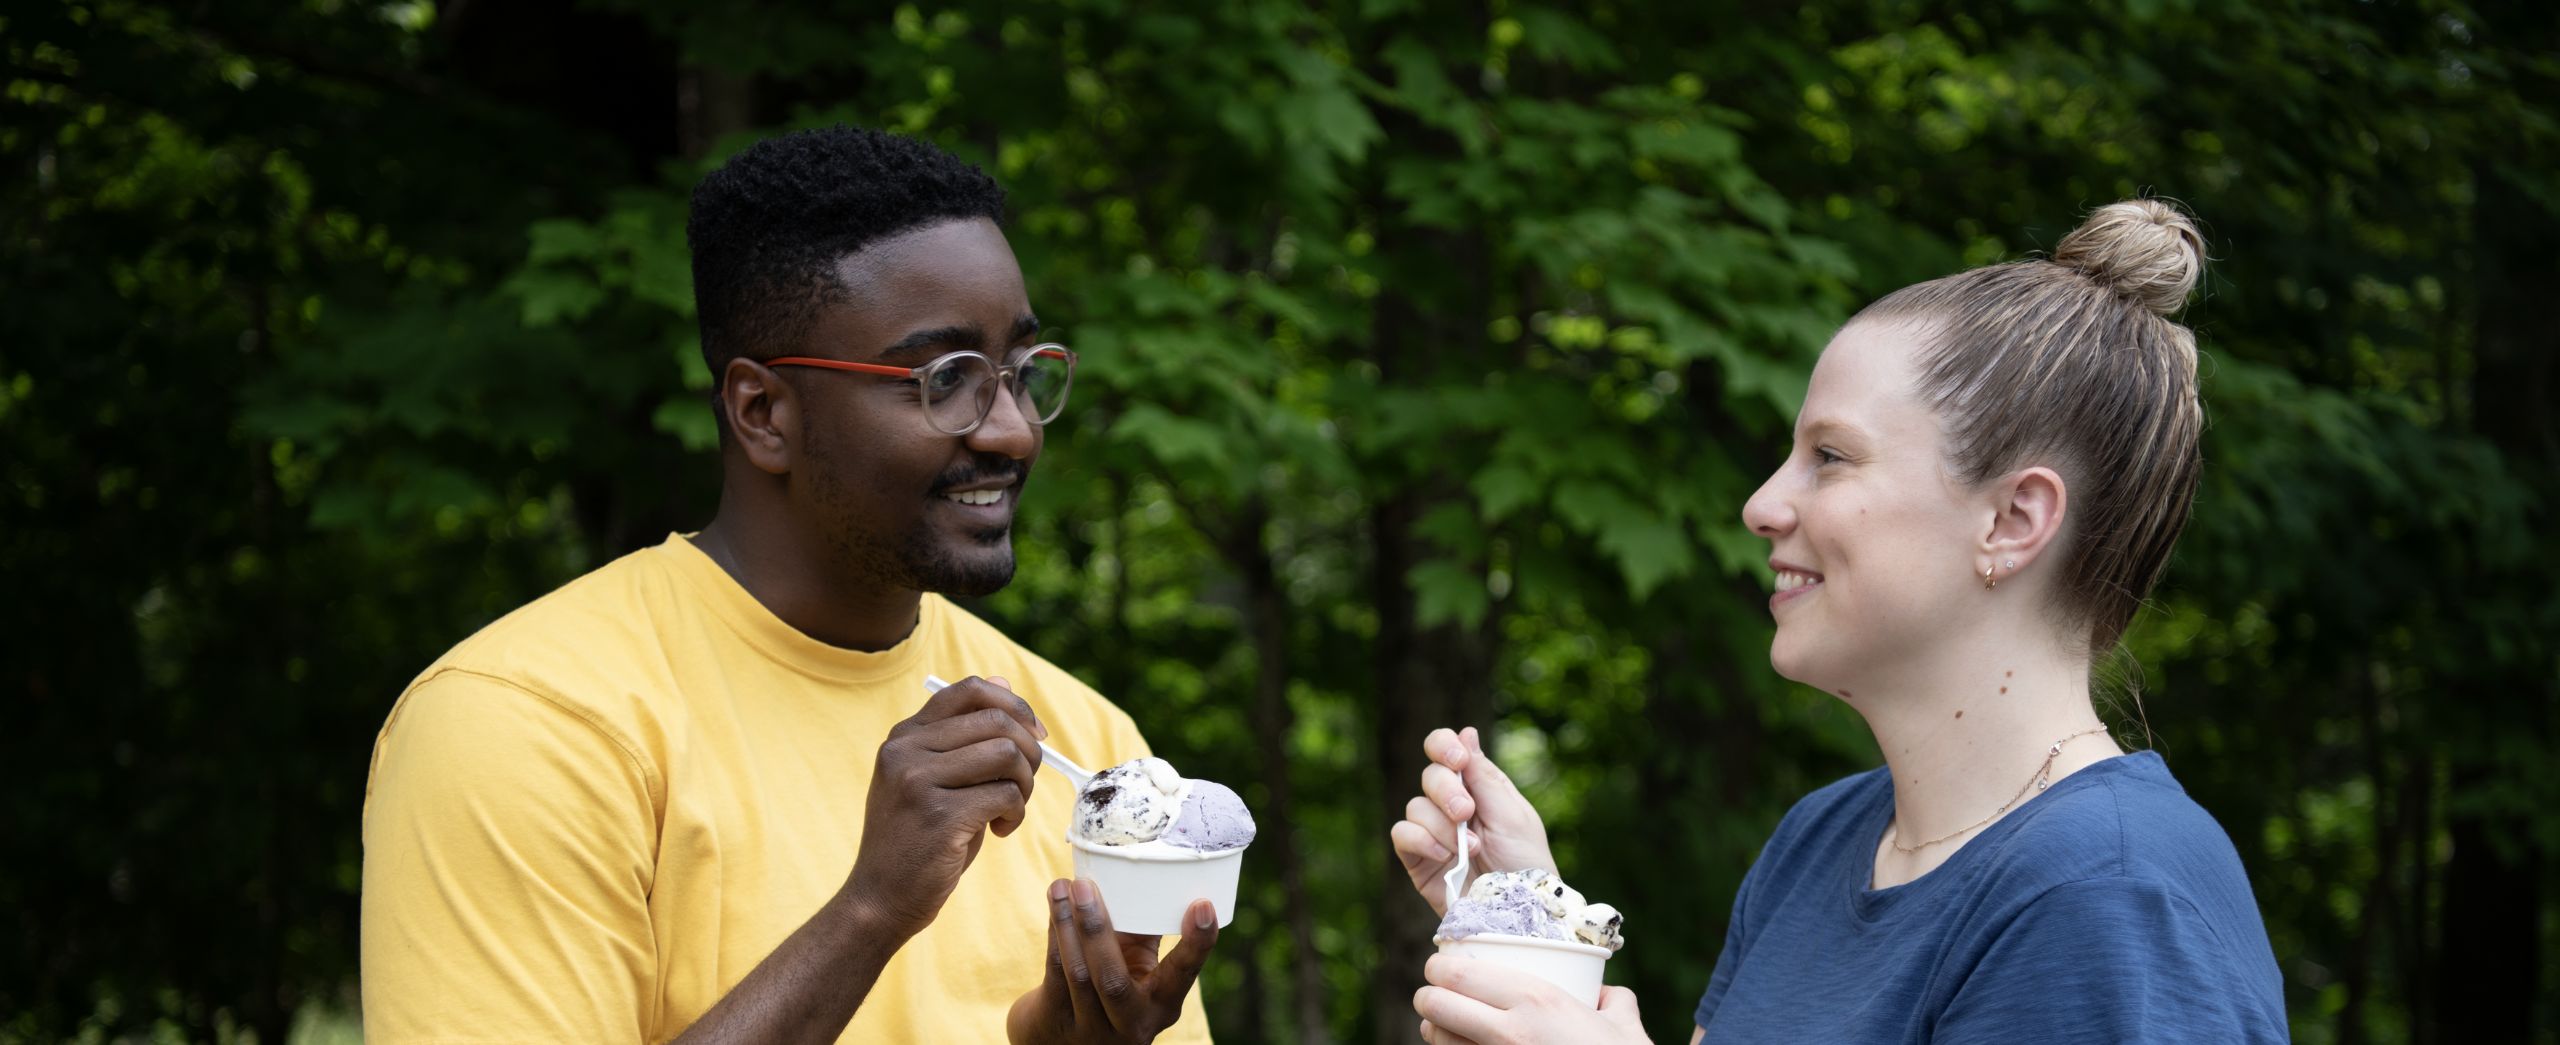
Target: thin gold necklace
{"x": 2043, "y": 779}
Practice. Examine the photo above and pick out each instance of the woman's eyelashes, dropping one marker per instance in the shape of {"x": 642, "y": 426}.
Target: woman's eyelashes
{"x": 1824, "y": 456}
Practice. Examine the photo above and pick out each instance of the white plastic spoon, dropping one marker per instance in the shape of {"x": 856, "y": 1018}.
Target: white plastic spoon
{"x": 1049, "y": 756}
{"x": 1454, "y": 883}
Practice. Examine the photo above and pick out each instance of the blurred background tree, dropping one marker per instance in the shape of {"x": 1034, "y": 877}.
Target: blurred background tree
{"x": 1430, "y": 354}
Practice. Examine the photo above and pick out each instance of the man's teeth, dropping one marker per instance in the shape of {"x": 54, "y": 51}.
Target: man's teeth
{"x": 1789, "y": 580}
{"x": 976, "y": 496}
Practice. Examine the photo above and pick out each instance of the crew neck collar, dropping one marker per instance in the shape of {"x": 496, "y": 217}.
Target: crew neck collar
{"x": 1872, "y": 904}
{"x": 738, "y": 609}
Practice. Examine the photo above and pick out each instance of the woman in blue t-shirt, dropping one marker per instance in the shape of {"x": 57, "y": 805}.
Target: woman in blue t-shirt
{"x": 1988, "y": 473}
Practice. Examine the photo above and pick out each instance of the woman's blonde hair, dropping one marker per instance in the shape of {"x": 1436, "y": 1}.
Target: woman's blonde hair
{"x": 2073, "y": 362}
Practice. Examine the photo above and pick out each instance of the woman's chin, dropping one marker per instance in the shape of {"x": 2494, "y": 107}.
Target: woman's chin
{"x": 1796, "y": 664}
{"x": 1786, "y": 660}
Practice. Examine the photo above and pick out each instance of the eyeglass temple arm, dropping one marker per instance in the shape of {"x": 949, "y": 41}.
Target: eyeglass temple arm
{"x": 838, "y": 364}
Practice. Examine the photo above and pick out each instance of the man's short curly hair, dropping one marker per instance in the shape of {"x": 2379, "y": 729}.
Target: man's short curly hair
{"x": 769, "y": 226}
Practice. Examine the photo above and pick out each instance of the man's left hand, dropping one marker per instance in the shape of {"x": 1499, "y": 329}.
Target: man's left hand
{"x": 1107, "y": 986}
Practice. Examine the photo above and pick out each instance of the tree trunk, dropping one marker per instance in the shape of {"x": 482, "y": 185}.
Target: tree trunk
{"x": 1428, "y": 677}
{"x": 1267, "y": 621}
{"x": 2489, "y": 967}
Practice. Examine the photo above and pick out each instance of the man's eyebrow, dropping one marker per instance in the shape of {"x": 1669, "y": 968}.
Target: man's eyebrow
{"x": 925, "y": 344}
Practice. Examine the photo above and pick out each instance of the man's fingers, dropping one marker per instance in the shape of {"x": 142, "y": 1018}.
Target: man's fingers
{"x": 1053, "y": 981}
{"x": 1112, "y": 984}
{"x": 1494, "y": 985}
{"x": 1071, "y": 951}
{"x": 991, "y": 760}
{"x": 1453, "y": 1013}
{"x": 1445, "y": 789}
{"x": 973, "y": 693}
{"x": 1181, "y": 966}
{"x": 970, "y": 727}
{"x": 997, "y": 805}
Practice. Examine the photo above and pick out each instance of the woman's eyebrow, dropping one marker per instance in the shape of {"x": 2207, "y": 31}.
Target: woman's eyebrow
{"x": 1829, "y": 426}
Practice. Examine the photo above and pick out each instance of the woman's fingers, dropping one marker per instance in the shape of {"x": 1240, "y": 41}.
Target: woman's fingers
{"x": 1455, "y": 1016}
{"x": 1486, "y": 982}
{"x": 1435, "y": 1036}
{"x": 1447, "y": 790}
{"x": 1619, "y": 1005}
{"x": 1447, "y": 747}
{"x": 1421, "y": 812}
{"x": 1420, "y": 852}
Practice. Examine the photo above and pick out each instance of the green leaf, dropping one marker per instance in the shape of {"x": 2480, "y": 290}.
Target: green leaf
{"x": 1502, "y": 489}
{"x": 1445, "y": 591}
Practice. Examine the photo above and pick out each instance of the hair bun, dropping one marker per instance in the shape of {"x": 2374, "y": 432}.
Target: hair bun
{"x": 2146, "y": 250}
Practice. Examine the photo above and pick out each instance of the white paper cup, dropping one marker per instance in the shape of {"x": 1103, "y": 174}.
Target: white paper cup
{"x": 1569, "y": 964}
{"x": 1148, "y": 887}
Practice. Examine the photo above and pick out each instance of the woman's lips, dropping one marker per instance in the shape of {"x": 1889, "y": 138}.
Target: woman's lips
{"x": 1793, "y": 584}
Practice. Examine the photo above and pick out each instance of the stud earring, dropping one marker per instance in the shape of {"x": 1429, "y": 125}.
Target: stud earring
{"x": 2009, "y": 565}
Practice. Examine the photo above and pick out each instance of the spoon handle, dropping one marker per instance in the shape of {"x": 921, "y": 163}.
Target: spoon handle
{"x": 1049, "y": 756}
{"x": 1454, "y": 883}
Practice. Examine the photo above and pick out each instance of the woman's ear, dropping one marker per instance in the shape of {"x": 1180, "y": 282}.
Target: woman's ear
{"x": 762, "y": 413}
{"x": 2025, "y": 518}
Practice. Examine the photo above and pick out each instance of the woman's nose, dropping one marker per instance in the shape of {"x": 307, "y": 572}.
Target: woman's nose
{"x": 1768, "y": 512}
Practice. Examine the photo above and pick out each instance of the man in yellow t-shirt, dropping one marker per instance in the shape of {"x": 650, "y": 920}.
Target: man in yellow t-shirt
{"x": 698, "y": 794}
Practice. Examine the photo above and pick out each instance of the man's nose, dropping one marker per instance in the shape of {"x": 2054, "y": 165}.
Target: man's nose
{"x": 1006, "y": 430}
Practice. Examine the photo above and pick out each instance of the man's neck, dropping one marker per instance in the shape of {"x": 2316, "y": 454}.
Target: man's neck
{"x": 798, "y": 583}
{"x": 1962, "y": 733}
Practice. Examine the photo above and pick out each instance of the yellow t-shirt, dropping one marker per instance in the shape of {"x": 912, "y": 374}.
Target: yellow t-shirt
{"x": 592, "y": 819}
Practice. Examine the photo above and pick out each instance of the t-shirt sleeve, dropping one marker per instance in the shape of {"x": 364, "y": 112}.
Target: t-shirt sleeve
{"x": 2105, "y": 959}
{"x": 508, "y": 854}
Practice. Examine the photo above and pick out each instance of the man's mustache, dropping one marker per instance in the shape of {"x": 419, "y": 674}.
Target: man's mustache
{"x": 1003, "y": 470}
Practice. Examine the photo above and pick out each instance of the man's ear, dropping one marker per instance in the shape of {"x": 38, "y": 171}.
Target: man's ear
{"x": 763, "y": 414}
{"x": 2025, "y": 519}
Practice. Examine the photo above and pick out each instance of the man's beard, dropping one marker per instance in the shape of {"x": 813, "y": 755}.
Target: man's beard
{"x": 979, "y": 563}
{"x": 931, "y": 566}
{"x": 918, "y": 561}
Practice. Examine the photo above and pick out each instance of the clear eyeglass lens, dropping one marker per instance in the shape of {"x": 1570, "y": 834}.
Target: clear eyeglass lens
{"x": 1041, "y": 382}
{"x": 958, "y": 392}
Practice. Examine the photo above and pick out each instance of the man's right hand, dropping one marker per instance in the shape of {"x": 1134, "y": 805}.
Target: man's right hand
{"x": 1461, "y": 784}
{"x": 958, "y": 768}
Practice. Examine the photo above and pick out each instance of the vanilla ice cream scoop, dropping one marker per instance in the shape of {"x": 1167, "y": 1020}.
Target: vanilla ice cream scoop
{"x": 1129, "y": 803}
{"x": 1144, "y": 800}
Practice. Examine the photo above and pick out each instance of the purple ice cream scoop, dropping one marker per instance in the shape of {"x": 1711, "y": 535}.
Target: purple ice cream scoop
{"x": 1506, "y": 905}
{"x": 1212, "y": 819}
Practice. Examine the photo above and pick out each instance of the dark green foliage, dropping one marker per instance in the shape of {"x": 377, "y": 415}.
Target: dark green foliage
{"x": 1429, "y": 355}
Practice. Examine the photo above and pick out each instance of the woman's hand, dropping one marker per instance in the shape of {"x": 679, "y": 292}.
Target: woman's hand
{"x": 1479, "y": 1003}
{"x": 1462, "y": 784}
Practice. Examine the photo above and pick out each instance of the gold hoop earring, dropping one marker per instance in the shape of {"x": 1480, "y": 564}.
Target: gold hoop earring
{"x": 1987, "y": 582}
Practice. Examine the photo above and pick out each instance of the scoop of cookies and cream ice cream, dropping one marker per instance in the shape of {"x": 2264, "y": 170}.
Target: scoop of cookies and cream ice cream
{"x": 1533, "y": 903}
{"x": 1144, "y": 801}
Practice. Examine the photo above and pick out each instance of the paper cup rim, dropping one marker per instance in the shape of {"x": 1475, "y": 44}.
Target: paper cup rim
{"x": 1539, "y": 942}
{"x": 1157, "y": 856}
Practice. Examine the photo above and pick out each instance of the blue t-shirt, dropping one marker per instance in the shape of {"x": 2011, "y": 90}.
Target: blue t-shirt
{"x": 2109, "y": 908}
